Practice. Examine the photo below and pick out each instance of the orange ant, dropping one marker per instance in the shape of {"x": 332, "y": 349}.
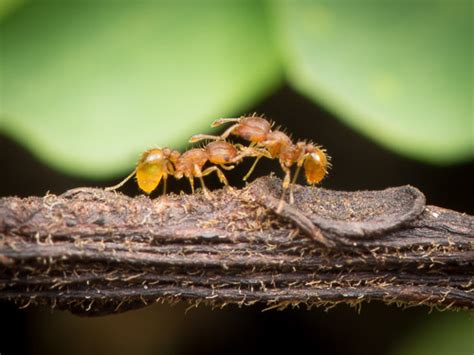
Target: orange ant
{"x": 219, "y": 153}
{"x": 154, "y": 164}
{"x": 275, "y": 144}
{"x": 157, "y": 163}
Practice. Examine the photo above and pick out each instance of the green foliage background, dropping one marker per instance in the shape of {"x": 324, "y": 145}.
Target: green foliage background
{"x": 86, "y": 86}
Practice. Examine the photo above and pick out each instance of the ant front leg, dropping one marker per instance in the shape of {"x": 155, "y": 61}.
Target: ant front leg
{"x": 191, "y": 182}
{"x": 223, "y": 136}
{"x": 222, "y": 121}
{"x": 200, "y": 174}
{"x": 201, "y": 137}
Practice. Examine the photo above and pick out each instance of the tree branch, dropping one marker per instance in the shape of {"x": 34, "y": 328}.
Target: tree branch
{"x": 96, "y": 252}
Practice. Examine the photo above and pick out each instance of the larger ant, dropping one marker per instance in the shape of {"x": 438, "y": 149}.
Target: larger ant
{"x": 276, "y": 144}
{"x": 156, "y": 164}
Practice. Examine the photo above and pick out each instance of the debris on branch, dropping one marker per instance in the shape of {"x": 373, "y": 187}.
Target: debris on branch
{"x": 96, "y": 252}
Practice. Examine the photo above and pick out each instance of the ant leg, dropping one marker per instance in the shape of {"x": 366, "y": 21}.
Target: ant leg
{"x": 252, "y": 168}
{"x": 252, "y": 151}
{"x": 191, "y": 182}
{"x": 227, "y": 167}
{"x": 221, "y": 121}
{"x": 204, "y": 188}
{"x": 201, "y": 137}
{"x": 199, "y": 174}
{"x": 164, "y": 185}
{"x": 219, "y": 173}
{"x": 286, "y": 183}
{"x": 228, "y": 131}
{"x": 287, "y": 178}
{"x": 121, "y": 183}
{"x": 295, "y": 177}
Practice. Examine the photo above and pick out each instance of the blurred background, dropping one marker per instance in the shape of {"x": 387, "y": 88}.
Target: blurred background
{"x": 386, "y": 88}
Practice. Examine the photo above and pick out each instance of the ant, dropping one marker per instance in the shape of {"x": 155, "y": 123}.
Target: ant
{"x": 156, "y": 164}
{"x": 219, "y": 153}
{"x": 275, "y": 144}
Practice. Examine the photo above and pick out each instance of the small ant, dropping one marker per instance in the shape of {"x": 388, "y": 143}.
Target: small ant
{"x": 154, "y": 164}
{"x": 157, "y": 163}
{"x": 275, "y": 144}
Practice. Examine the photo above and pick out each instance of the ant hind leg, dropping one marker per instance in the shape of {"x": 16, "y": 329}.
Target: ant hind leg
{"x": 227, "y": 167}
{"x": 219, "y": 173}
{"x": 293, "y": 182}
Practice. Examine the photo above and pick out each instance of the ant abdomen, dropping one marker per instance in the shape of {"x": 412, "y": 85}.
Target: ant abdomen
{"x": 150, "y": 170}
{"x": 252, "y": 129}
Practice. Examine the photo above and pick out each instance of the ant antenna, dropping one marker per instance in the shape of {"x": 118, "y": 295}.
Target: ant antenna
{"x": 121, "y": 183}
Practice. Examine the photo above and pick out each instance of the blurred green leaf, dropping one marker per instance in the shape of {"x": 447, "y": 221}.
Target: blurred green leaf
{"x": 443, "y": 333}
{"x": 88, "y": 85}
{"x": 398, "y": 71}
{"x": 7, "y": 7}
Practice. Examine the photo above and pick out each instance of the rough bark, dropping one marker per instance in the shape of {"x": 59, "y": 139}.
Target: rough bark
{"x": 96, "y": 252}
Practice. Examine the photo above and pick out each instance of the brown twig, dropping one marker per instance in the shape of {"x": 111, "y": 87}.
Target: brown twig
{"x": 97, "y": 252}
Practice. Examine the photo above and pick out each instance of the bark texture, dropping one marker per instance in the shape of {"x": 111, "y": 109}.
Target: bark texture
{"x": 96, "y": 252}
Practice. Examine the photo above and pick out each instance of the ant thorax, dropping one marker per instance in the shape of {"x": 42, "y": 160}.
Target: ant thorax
{"x": 188, "y": 161}
{"x": 276, "y": 142}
